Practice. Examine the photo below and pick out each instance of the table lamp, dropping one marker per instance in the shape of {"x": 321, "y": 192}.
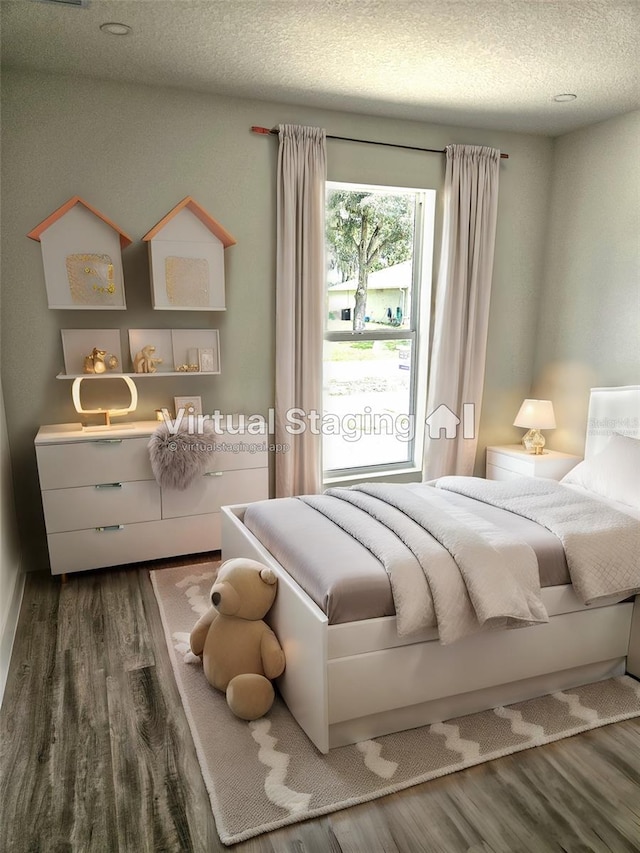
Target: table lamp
{"x": 108, "y": 413}
{"x": 535, "y": 415}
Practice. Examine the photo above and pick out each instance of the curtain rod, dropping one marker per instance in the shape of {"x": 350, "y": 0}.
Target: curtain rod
{"x": 274, "y": 131}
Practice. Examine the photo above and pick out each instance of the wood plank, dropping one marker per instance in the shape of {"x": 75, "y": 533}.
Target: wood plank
{"x": 82, "y": 812}
{"x": 128, "y": 644}
{"x": 79, "y": 617}
{"x": 363, "y": 828}
{"x": 26, "y": 778}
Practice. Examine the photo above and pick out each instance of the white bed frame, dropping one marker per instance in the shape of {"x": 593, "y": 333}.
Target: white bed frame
{"x": 358, "y": 680}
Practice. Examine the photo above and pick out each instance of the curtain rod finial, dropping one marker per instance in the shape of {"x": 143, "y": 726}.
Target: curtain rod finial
{"x": 265, "y": 130}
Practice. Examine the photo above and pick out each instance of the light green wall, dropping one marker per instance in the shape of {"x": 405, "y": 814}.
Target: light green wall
{"x": 11, "y": 575}
{"x": 589, "y": 316}
{"x": 134, "y": 152}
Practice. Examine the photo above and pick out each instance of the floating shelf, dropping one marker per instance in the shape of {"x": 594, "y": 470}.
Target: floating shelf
{"x": 176, "y": 347}
{"x": 112, "y": 375}
{"x": 171, "y": 347}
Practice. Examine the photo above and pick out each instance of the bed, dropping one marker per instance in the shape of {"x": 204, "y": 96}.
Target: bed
{"x": 349, "y": 680}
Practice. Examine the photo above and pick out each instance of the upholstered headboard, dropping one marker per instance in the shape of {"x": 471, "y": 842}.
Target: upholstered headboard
{"x": 612, "y": 410}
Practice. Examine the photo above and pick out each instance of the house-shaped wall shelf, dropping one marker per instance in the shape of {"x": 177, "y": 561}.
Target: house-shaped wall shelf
{"x": 186, "y": 257}
{"x": 81, "y": 256}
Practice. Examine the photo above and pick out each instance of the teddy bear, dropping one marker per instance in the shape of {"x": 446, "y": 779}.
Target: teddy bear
{"x": 240, "y": 653}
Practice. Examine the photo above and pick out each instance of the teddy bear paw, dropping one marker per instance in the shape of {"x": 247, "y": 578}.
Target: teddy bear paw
{"x": 250, "y": 696}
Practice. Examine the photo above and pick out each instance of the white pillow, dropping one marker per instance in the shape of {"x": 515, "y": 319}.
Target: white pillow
{"x": 612, "y": 473}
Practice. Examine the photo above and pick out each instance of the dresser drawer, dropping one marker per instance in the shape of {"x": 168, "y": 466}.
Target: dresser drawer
{"x": 133, "y": 543}
{"x": 216, "y": 489}
{"x": 234, "y": 452}
{"x": 101, "y": 506}
{"x": 86, "y": 463}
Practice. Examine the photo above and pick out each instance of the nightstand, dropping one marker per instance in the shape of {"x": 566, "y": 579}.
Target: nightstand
{"x": 512, "y": 460}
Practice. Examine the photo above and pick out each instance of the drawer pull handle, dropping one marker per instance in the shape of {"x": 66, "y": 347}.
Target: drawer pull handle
{"x": 214, "y": 473}
{"x": 110, "y": 528}
{"x": 108, "y": 441}
{"x": 108, "y": 486}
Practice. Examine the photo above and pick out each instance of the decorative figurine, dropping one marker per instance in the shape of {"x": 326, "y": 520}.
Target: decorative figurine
{"x": 145, "y": 362}
{"x": 95, "y": 362}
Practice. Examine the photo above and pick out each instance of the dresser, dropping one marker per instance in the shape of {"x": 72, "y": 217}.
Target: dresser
{"x": 512, "y": 460}
{"x": 103, "y": 506}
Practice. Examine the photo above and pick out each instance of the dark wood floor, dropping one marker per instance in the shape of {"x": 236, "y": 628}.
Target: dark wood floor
{"x": 96, "y": 755}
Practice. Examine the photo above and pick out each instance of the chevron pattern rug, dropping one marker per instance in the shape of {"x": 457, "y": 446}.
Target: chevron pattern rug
{"x": 267, "y": 774}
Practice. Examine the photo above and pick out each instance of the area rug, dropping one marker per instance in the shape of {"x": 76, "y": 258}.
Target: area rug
{"x": 267, "y": 774}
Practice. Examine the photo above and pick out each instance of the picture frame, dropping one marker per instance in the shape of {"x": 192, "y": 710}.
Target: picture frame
{"x": 188, "y": 403}
{"x": 207, "y": 360}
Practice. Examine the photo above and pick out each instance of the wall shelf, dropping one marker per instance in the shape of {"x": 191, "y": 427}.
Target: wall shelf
{"x": 176, "y": 347}
{"x": 112, "y": 375}
{"x": 169, "y": 348}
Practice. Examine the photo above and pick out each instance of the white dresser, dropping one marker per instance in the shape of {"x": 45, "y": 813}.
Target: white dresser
{"x": 512, "y": 460}
{"x": 103, "y": 507}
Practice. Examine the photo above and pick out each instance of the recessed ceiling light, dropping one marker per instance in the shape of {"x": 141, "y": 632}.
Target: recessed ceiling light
{"x": 565, "y": 98}
{"x": 115, "y": 29}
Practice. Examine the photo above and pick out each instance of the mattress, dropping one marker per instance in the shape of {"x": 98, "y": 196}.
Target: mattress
{"x": 344, "y": 578}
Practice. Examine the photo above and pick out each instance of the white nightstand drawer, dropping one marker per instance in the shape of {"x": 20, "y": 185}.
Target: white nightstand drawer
{"x": 100, "y": 460}
{"x": 496, "y": 473}
{"x": 520, "y": 467}
{"x": 214, "y": 490}
{"x": 132, "y": 543}
{"x": 512, "y": 460}
{"x": 101, "y": 506}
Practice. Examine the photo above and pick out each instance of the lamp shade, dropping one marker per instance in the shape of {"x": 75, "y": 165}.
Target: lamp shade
{"x": 536, "y": 414}
{"x": 107, "y": 413}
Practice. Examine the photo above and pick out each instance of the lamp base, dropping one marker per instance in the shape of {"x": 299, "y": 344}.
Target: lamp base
{"x": 533, "y": 442}
{"x": 106, "y": 427}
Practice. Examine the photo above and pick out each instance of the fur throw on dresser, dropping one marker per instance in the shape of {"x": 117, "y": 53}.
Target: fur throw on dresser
{"x": 178, "y": 458}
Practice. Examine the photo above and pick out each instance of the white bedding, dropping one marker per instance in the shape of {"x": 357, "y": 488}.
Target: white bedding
{"x": 466, "y": 574}
{"x": 601, "y": 544}
{"x": 448, "y": 568}
{"x": 617, "y": 505}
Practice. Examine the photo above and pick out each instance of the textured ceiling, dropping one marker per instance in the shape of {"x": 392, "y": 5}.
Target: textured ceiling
{"x": 486, "y": 63}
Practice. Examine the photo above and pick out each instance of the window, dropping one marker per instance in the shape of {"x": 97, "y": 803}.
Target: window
{"x": 379, "y": 253}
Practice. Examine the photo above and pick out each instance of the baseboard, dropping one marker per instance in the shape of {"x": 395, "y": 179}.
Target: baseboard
{"x": 9, "y": 630}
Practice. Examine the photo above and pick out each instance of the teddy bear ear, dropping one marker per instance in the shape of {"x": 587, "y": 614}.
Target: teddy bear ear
{"x": 268, "y": 576}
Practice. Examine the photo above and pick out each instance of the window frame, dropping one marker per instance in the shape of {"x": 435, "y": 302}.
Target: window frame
{"x": 417, "y": 332}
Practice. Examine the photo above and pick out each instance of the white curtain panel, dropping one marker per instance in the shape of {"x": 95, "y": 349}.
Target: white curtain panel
{"x": 300, "y": 278}
{"x": 456, "y": 376}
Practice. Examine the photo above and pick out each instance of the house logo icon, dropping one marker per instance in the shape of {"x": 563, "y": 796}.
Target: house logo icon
{"x": 443, "y": 421}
